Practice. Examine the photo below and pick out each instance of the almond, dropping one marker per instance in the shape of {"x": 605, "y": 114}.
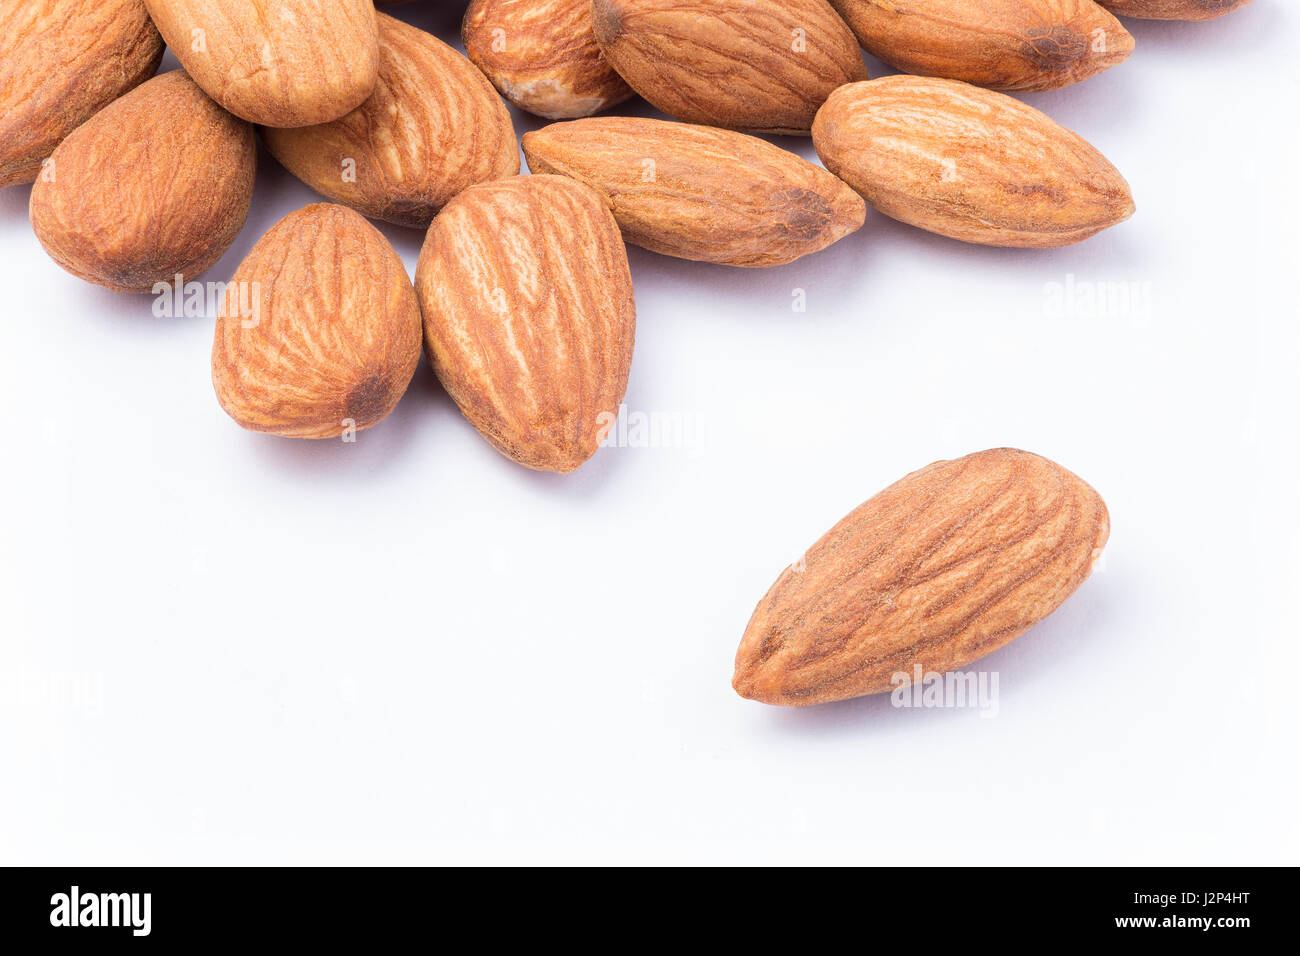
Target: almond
{"x": 1172, "y": 9}
{"x": 155, "y": 185}
{"x": 433, "y": 126}
{"x": 968, "y": 163}
{"x": 700, "y": 193}
{"x": 542, "y": 55}
{"x": 276, "y": 63}
{"x": 758, "y": 65}
{"x": 61, "y": 62}
{"x": 319, "y": 332}
{"x": 528, "y": 315}
{"x": 1016, "y": 45}
{"x": 939, "y": 569}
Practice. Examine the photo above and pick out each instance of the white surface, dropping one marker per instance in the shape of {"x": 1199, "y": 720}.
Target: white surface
{"x": 217, "y": 646}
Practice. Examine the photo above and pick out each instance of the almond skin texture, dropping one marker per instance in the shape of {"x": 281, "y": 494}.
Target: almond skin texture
{"x": 696, "y": 192}
{"x": 319, "y": 330}
{"x": 155, "y": 185}
{"x": 968, "y": 163}
{"x": 1172, "y": 9}
{"x": 276, "y": 62}
{"x": 433, "y": 127}
{"x": 542, "y": 55}
{"x": 939, "y": 569}
{"x": 528, "y": 316}
{"x": 758, "y": 65}
{"x": 61, "y": 62}
{"x": 1013, "y": 45}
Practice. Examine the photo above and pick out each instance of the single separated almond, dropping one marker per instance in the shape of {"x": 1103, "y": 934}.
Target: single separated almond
{"x": 275, "y": 62}
{"x": 155, "y": 185}
{"x": 937, "y": 570}
{"x": 700, "y": 193}
{"x": 1013, "y": 45}
{"x": 1172, "y": 9}
{"x": 318, "y": 333}
{"x": 528, "y": 316}
{"x": 968, "y": 163}
{"x": 758, "y": 65}
{"x": 543, "y": 56}
{"x": 61, "y": 62}
{"x": 433, "y": 126}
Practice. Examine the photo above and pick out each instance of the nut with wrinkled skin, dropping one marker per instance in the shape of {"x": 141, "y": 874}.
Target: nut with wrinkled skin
{"x": 1172, "y": 9}
{"x": 968, "y": 163}
{"x": 939, "y": 569}
{"x": 433, "y": 127}
{"x": 764, "y": 66}
{"x": 697, "y": 192}
{"x": 275, "y": 63}
{"x": 61, "y": 62}
{"x": 318, "y": 333}
{"x": 542, "y": 55}
{"x": 1010, "y": 45}
{"x": 156, "y": 184}
{"x": 528, "y": 316}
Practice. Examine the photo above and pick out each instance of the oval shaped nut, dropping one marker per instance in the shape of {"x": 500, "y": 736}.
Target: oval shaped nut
{"x": 318, "y": 334}
{"x": 1012, "y": 45}
{"x": 759, "y": 65}
{"x": 939, "y": 569}
{"x": 433, "y": 126}
{"x": 968, "y": 163}
{"x": 61, "y": 62}
{"x": 542, "y": 55}
{"x": 697, "y": 192}
{"x": 155, "y": 185}
{"x": 275, "y": 63}
{"x": 528, "y": 316}
{"x": 1172, "y": 9}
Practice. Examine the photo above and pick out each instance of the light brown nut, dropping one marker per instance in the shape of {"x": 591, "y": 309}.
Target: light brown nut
{"x": 1013, "y": 45}
{"x": 61, "y": 62}
{"x": 700, "y": 193}
{"x": 528, "y": 316}
{"x": 968, "y": 163}
{"x": 273, "y": 62}
{"x": 432, "y": 127}
{"x": 318, "y": 333}
{"x": 542, "y": 56}
{"x": 1172, "y": 9}
{"x": 939, "y": 569}
{"x": 758, "y": 65}
{"x": 155, "y": 185}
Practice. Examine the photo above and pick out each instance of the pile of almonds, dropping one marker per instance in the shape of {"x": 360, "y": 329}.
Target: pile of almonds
{"x": 522, "y": 298}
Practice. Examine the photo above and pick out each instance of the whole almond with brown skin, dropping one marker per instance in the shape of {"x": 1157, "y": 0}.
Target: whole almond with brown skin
{"x": 758, "y": 65}
{"x": 432, "y": 127}
{"x": 1172, "y": 9}
{"x": 939, "y": 569}
{"x": 542, "y": 55}
{"x": 155, "y": 185}
{"x": 968, "y": 163}
{"x": 700, "y": 193}
{"x": 319, "y": 332}
{"x": 61, "y": 62}
{"x": 1013, "y": 45}
{"x": 276, "y": 62}
{"x": 528, "y": 315}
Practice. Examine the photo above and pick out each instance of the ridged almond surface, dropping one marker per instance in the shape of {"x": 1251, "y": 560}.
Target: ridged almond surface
{"x": 542, "y": 55}
{"x": 528, "y": 315}
{"x": 1172, "y": 9}
{"x": 156, "y": 184}
{"x": 61, "y": 61}
{"x": 276, "y": 62}
{"x": 1013, "y": 45}
{"x": 968, "y": 163}
{"x": 939, "y": 569}
{"x": 433, "y": 126}
{"x": 759, "y": 65}
{"x": 697, "y": 192}
{"x": 319, "y": 331}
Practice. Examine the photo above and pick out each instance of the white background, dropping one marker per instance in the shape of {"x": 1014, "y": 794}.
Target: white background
{"x": 223, "y": 647}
